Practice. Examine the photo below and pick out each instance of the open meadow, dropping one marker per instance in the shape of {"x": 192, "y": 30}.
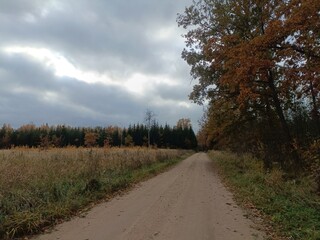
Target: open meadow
{"x": 40, "y": 187}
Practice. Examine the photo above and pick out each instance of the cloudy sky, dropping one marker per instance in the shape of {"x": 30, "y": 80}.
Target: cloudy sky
{"x": 93, "y": 62}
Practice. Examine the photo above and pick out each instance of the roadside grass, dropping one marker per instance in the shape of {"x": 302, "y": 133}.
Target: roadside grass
{"x": 291, "y": 206}
{"x": 39, "y": 188}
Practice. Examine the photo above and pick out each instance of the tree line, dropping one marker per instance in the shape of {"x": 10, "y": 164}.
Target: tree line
{"x": 257, "y": 65}
{"x": 45, "y": 136}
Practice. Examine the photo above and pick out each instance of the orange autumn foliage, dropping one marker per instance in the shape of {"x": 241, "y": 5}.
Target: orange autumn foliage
{"x": 257, "y": 63}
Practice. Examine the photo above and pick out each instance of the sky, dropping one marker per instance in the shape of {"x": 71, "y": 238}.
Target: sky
{"x": 89, "y": 63}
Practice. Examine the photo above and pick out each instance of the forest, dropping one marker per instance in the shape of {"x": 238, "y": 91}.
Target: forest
{"x": 45, "y": 136}
{"x": 256, "y": 66}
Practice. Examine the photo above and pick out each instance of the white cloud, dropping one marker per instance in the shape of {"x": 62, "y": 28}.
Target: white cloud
{"x": 137, "y": 83}
{"x": 58, "y": 63}
{"x": 116, "y": 58}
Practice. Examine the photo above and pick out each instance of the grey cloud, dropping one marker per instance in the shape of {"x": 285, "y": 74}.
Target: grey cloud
{"x": 23, "y": 96}
{"x": 167, "y": 92}
{"x": 18, "y": 7}
{"x": 116, "y": 32}
{"x": 112, "y": 37}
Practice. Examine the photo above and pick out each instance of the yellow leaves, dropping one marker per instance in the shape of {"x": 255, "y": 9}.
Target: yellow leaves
{"x": 90, "y": 139}
{"x": 27, "y": 127}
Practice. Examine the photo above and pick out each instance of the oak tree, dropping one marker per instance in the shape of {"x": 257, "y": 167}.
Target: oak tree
{"x": 254, "y": 62}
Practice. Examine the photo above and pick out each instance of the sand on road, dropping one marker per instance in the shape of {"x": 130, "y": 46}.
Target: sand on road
{"x": 188, "y": 202}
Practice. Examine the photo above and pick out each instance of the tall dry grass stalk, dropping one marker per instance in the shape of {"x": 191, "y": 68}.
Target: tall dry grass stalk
{"x": 38, "y": 186}
{"x": 20, "y": 168}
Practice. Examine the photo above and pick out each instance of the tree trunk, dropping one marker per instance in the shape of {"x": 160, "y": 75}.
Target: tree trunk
{"x": 295, "y": 163}
{"x": 315, "y": 111}
{"x": 268, "y": 137}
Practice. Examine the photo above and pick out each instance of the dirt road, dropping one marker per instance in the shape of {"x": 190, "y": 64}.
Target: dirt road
{"x": 187, "y": 202}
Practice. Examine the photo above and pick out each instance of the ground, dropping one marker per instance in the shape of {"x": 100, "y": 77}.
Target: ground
{"x": 187, "y": 202}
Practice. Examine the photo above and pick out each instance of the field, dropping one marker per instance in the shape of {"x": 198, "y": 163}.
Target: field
{"x": 41, "y": 187}
{"x": 291, "y": 206}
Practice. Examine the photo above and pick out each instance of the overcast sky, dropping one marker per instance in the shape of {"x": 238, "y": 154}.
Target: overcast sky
{"x": 93, "y": 62}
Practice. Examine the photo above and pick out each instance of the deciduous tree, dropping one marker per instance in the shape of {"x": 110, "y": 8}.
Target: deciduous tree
{"x": 90, "y": 139}
{"x": 254, "y": 61}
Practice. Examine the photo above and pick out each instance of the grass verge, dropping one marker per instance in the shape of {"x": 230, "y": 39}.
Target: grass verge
{"x": 41, "y": 188}
{"x": 291, "y": 206}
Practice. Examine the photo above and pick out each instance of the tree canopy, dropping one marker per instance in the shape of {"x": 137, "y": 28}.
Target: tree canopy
{"x": 257, "y": 63}
{"x": 46, "y": 136}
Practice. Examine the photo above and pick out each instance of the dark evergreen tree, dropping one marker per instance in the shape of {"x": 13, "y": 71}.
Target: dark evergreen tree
{"x": 61, "y": 136}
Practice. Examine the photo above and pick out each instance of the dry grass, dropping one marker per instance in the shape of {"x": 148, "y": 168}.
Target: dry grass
{"x": 37, "y": 187}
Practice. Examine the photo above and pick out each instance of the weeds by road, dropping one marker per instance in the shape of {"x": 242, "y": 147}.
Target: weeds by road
{"x": 40, "y": 187}
{"x": 292, "y": 206}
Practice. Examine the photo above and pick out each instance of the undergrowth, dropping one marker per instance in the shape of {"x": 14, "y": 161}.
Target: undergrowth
{"x": 39, "y": 188}
{"x": 291, "y": 205}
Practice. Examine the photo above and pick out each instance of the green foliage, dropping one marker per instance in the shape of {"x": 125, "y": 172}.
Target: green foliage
{"x": 292, "y": 205}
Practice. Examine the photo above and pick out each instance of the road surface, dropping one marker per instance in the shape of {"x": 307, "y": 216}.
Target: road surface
{"x": 188, "y": 202}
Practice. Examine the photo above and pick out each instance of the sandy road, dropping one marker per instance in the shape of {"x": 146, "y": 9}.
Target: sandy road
{"x": 187, "y": 202}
